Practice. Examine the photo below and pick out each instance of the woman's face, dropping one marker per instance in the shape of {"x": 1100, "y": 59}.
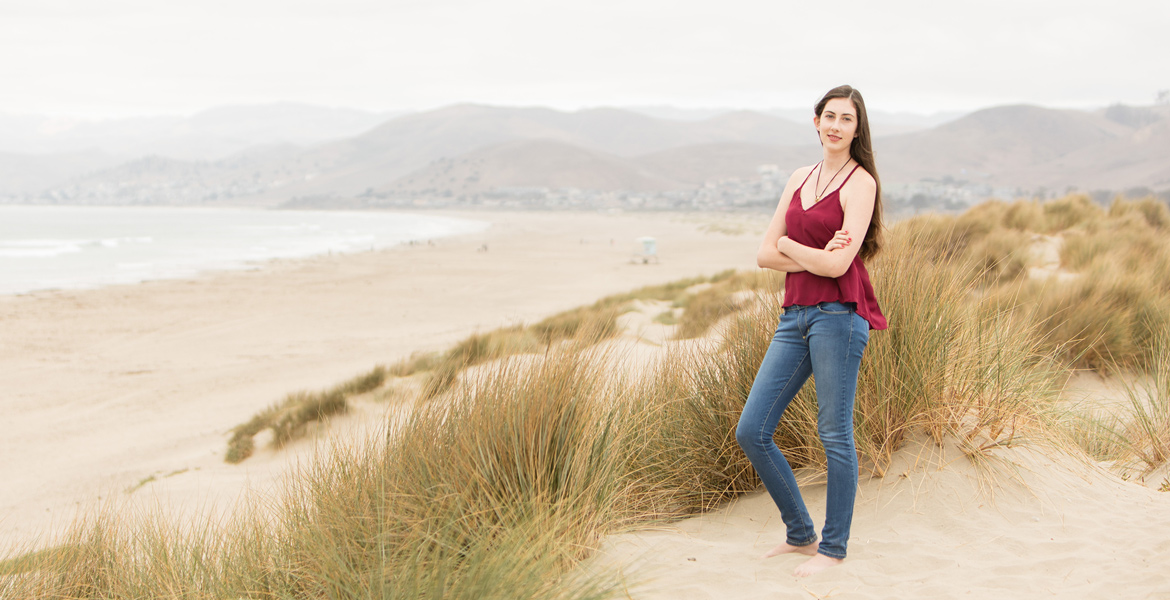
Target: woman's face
{"x": 837, "y": 124}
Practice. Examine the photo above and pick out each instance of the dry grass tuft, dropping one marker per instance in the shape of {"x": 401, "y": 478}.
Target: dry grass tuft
{"x": 289, "y": 418}
{"x": 704, "y": 309}
{"x": 1071, "y": 211}
{"x": 417, "y": 362}
{"x": 1155, "y": 212}
{"x": 1116, "y": 289}
{"x": 1135, "y": 436}
{"x": 1147, "y": 434}
{"x": 598, "y": 319}
{"x": 950, "y": 364}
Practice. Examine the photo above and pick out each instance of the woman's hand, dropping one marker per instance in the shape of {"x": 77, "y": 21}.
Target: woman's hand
{"x": 840, "y": 240}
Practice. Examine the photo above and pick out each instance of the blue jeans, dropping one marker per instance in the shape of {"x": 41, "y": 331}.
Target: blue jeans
{"x": 827, "y": 341}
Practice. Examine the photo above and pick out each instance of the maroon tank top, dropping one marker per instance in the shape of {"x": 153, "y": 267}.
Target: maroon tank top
{"x": 814, "y": 228}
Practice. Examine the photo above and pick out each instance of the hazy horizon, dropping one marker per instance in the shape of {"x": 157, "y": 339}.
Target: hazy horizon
{"x": 659, "y": 110}
{"x": 128, "y": 58}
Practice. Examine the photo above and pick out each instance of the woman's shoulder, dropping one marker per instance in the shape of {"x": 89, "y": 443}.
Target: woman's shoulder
{"x": 861, "y": 180}
{"x": 864, "y": 176}
{"x": 800, "y": 173}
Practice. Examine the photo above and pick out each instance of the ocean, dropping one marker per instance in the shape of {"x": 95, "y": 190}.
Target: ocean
{"x": 75, "y": 247}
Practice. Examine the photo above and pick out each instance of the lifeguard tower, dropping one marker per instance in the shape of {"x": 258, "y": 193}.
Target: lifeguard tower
{"x": 645, "y": 250}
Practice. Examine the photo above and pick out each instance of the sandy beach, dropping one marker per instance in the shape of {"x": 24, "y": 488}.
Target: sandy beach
{"x": 103, "y": 389}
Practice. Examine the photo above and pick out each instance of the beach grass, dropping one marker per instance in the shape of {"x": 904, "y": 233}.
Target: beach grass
{"x": 1147, "y": 432}
{"x": 666, "y": 317}
{"x": 1112, "y": 289}
{"x": 1134, "y": 436}
{"x": 600, "y": 318}
{"x": 513, "y": 473}
{"x": 417, "y": 362}
{"x": 703, "y": 309}
{"x": 289, "y": 418}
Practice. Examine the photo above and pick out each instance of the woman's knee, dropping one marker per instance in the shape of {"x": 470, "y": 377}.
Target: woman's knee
{"x": 838, "y": 440}
{"x": 836, "y": 437}
{"x": 742, "y": 435}
{"x": 748, "y": 435}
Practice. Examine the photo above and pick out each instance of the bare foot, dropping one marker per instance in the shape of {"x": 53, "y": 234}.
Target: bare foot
{"x": 786, "y": 548}
{"x": 816, "y": 564}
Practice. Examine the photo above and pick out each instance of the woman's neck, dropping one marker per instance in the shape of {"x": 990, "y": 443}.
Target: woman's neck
{"x": 834, "y": 161}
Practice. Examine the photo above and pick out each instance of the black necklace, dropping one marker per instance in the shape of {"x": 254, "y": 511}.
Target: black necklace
{"x": 822, "y": 193}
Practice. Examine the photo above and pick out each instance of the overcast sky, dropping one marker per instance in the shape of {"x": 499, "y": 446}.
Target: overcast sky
{"x": 115, "y": 58}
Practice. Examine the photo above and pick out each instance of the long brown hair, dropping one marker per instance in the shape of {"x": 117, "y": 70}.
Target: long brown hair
{"x": 861, "y": 150}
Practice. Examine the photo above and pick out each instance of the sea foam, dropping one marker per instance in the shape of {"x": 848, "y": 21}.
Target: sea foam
{"x": 70, "y": 247}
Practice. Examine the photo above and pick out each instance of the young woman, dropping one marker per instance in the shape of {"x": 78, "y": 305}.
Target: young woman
{"x": 829, "y": 308}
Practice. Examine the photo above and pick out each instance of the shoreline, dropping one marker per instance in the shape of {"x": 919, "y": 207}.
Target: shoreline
{"x": 75, "y": 248}
{"x": 105, "y": 388}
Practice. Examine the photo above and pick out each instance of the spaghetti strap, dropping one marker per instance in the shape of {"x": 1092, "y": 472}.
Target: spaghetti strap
{"x": 810, "y": 175}
{"x": 840, "y": 187}
{"x": 855, "y": 167}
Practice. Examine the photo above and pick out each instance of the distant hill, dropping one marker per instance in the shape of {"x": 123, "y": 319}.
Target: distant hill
{"x": 992, "y": 140}
{"x": 473, "y": 149}
{"x": 704, "y": 162}
{"x": 881, "y": 122}
{"x": 32, "y": 173}
{"x": 1139, "y": 157}
{"x": 532, "y": 163}
{"x": 241, "y": 179}
{"x": 379, "y": 158}
{"x": 1031, "y": 146}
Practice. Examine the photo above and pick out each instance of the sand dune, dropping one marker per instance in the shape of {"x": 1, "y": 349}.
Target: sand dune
{"x": 128, "y": 393}
{"x": 1019, "y": 524}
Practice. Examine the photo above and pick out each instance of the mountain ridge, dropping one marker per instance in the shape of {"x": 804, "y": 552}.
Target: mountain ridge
{"x": 1011, "y": 148}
